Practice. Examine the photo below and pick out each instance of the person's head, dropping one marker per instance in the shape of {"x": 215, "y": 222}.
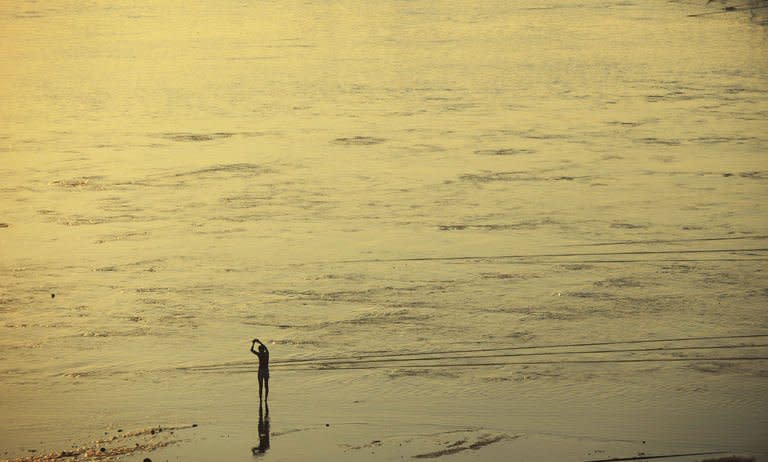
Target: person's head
{"x": 262, "y": 348}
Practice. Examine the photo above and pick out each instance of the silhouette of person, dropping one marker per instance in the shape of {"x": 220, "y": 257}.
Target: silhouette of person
{"x": 263, "y": 355}
{"x": 263, "y": 432}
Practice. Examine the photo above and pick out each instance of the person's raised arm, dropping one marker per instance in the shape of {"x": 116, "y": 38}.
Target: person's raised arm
{"x": 253, "y": 344}
{"x": 259, "y": 342}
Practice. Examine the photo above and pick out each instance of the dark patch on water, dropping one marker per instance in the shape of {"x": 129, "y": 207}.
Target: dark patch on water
{"x": 757, "y": 175}
{"x": 297, "y": 45}
{"x": 426, "y": 372}
{"x": 520, "y": 334}
{"x": 715, "y": 367}
{"x": 247, "y": 218}
{"x": 408, "y": 304}
{"x": 29, "y": 15}
{"x": 552, "y": 316}
{"x": 347, "y": 277}
{"x": 624, "y": 124}
{"x": 232, "y": 170}
{"x": 424, "y": 148}
{"x": 137, "y": 236}
{"x": 358, "y": 141}
{"x": 590, "y": 295}
{"x": 527, "y": 376}
{"x": 577, "y": 267}
{"x": 533, "y": 224}
{"x": 142, "y": 290}
{"x": 259, "y": 321}
{"x": 665, "y": 159}
{"x": 5, "y": 225}
{"x": 504, "y": 152}
{"x": 388, "y": 294}
{"x": 79, "y": 220}
{"x": 719, "y": 140}
{"x": 620, "y": 283}
{"x": 442, "y": 98}
{"x": 627, "y": 226}
{"x": 133, "y": 332}
{"x": 491, "y": 177}
{"x": 721, "y": 278}
{"x": 458, "y": 107}
{"x": 221, "y": 232}
{"x": 8, "y": 303}
{"x": 247, "y": 201}
{"x": 507, "y": 309}
{"x": 117, "y": 204}
{"x": 196, "y": 137}
{"x": 295, "y": 342}
{"x": 504, "y": 276}
{"x": 401, "y": 316}
{"x": 535, "y": 135}
{"x": 677, "y": 268}
{"x": 665, "y": 142}
{"x": 80, "y": 183}
{"x": 752, "y": 175}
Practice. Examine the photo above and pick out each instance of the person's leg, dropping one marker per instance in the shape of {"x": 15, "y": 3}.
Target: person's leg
{"x": 266, "y": 388}
{"x": 261, "y": 382}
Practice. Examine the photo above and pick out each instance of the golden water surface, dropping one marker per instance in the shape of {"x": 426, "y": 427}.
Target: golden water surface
{"x": 355, "y": 177}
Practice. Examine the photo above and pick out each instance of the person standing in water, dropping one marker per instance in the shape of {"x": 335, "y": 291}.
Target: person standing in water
{"x": 263, "y": 355}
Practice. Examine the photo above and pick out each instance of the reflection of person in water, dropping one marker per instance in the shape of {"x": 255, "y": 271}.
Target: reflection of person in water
{"x": 263, "y": 432}
{"x": 263, "y": 355}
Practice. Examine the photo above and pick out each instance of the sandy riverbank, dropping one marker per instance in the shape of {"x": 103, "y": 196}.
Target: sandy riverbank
{"x": 356, "y": 441}
{"x": 403, "y": 414}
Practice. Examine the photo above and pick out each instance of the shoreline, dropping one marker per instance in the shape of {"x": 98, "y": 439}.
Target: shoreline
{"x": 395, "y": 415}
{"x": 355, "y": 441}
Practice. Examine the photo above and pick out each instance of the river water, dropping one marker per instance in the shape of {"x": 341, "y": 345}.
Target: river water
{"x": 344, "y": 178}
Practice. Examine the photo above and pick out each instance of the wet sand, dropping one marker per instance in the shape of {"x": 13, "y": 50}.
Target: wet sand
{"x": 600, "y": 406}
{"x": 307, "y": 420}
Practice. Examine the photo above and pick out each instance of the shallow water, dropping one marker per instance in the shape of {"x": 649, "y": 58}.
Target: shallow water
{"x": 355, "y": 178}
